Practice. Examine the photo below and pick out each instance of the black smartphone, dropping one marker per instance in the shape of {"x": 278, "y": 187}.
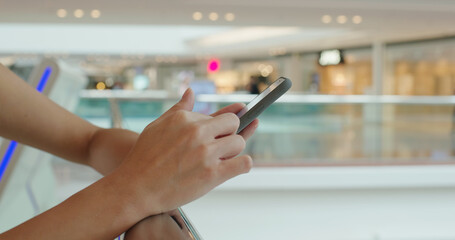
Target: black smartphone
{"x": 252, "y": 110}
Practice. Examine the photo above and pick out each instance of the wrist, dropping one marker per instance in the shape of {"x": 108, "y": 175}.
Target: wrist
{"x": 109, "y": 147}
{"x": 139, "y": 202}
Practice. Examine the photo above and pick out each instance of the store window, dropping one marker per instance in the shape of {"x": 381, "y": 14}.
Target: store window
{"x": 425, "y": 68}
{"x": 351, "y": 76}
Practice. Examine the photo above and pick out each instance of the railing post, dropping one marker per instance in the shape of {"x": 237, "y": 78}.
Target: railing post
{"x": 116, "y": 114}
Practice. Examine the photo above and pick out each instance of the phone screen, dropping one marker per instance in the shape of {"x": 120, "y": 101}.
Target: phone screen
{"x": 261, "y": 96}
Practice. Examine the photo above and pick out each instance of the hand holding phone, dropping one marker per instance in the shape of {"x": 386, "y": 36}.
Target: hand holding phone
{"x": 262, "y": 101}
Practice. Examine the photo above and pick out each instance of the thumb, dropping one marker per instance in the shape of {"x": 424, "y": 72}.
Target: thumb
{"x": 186, "y": 103}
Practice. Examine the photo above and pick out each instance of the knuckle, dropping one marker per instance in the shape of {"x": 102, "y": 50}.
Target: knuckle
{"x": 180, "y": 115}
{"x": 195, "y": 131}
{"x": 248, "y": 163}
{"x": 235, "y": 120}
{"x": 238, "y": 143}
{"x": 203, "y": 151}
{"x": 209, "y": 171}
{"x": 242, "y": 142}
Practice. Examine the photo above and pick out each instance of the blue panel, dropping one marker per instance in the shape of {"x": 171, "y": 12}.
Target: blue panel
{"x": 7, "y": 158}
{"x": 12, "y": 145}
{"x": 44, "y": 78}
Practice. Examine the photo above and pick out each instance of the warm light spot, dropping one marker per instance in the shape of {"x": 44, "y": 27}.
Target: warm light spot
{"x": 78, "y": 13}
{"x": 61, "y": 13}
{"x": 357, "y": 19}
{"x": 95, "y": 13}
{"x": 197, "y": 16}
{"x": 342, "y": 19}
{"x": 100, "y": 86}
{"x": 229, "y": 17}
{"x": 213, "y": 16}
{"x": 269, "y": 68}
{"x": 265, "y": 73}
{"x": 326, "y": 19}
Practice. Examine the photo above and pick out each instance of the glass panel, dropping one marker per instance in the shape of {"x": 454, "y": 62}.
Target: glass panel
{"x": 330, "y": 130}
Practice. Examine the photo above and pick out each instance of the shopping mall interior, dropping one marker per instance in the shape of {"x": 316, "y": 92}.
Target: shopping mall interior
{"x": 362, "y": 147}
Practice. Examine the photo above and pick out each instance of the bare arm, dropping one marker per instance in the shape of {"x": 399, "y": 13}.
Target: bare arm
{"x": 178, "y": 158}
{"x": 31, "y": 118}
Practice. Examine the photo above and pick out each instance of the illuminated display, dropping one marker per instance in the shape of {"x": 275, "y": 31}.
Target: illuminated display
{"x": 213, "y": 65}
{"x": 330, "y": 57}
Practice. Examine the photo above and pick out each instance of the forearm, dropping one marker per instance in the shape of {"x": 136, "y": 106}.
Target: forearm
{"x": 31, "y": 118}
{"x": 102, "y": 211}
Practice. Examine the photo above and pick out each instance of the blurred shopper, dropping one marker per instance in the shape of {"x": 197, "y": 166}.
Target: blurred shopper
{"x": 253, "y": 85}
{"x": 176, "y": 159}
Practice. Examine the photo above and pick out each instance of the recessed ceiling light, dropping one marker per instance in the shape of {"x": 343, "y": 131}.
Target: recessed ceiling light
{"x": 78, "y": 13}
{"x": 213, "y": 16}
{"x": 197, "y": 16}
{"x": 357, "y": 19}
{"x": 229, "y": 17}
{"x": 342, "y": 19}
{"x": 61, "y": 13}
{"x": 95, "y": 13}
{"x": 326, "y": 19}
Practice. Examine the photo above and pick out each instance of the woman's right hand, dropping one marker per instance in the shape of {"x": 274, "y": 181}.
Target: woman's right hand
{"x": 180, "y": 157}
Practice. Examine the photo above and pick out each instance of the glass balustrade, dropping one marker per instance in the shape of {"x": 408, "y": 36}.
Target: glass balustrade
{"x": 315, "y": 130}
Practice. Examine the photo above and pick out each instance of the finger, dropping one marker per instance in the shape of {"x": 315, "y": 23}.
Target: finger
{"x": 248, "y": 131}
{"x": 229, "y": 146}
{"x": 233, "y": 167}
{"x": 185, "y": 103}
{"x": 233, "y": 108}
{"x": 175, "y": 214}
{"x": 222, "y": 125}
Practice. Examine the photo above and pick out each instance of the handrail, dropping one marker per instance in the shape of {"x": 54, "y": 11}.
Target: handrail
{"x": 161, "y": 95}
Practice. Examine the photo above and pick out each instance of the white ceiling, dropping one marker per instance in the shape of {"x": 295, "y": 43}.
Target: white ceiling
{"x": 166, "y": 27}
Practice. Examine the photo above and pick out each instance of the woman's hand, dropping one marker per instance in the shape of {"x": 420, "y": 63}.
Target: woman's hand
{"x": 235, "y": 108}
{"x": 181, "y": 156}
{"x": 109, "y": 147}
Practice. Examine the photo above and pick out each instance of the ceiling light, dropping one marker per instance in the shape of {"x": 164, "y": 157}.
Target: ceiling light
{"x": 95, "y": 13}
{"x": 357, "y": 19}
{"x": 326, "y": 19}
{"x": 61, "y": 13}
{"x": 197, "y": 16}
{"x": 78, "y": 13}
{"x": 213, "y": 16}
{"x": 229, "y": 17}
{"x": 342, "y": 19}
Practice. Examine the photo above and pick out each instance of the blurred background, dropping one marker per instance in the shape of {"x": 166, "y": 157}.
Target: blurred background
{"x": 362, "y": 147}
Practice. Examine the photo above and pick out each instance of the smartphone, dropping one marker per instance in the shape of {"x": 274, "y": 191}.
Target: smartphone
{"x": 252, "y": 110}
